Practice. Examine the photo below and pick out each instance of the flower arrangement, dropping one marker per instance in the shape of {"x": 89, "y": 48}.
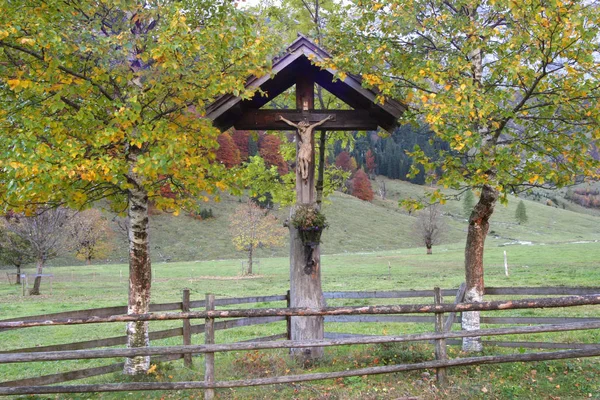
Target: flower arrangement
{"x": 311, "y": 223}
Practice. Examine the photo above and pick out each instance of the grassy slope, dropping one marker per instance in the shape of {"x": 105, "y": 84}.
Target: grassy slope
{"x": 358, "y": 226}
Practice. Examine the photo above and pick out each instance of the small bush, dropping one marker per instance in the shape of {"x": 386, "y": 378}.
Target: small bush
{"x": 202, "y": 214}
{"x": 260, "y": 364}
{"x": 402, "y": 353}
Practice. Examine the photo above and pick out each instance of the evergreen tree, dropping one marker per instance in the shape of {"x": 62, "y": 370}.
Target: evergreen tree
{"x": 252, "y": 146}
{"x": 521, "y": 213}
{"x": 468, "y": 203}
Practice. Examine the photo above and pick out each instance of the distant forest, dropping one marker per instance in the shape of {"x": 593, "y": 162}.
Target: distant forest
{"x": 387, "y": 150}
{"x": 390, "y": 151}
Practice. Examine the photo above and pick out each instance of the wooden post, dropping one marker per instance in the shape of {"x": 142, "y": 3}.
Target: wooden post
{"x": 305, "y": 280}
{"x": 209, "y": 358}
{"x": 440, "y": 344}
{"x": 460, "y": 295}
{"x": 505, "y": 263}
{"x": 187, "y": 327}
{"x": 288, "y": 319}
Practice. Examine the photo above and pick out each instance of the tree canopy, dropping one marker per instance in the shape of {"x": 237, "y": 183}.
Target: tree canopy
{"x": 107, "y": 81}
{"x": 118, "y": 90}
{"x": 511, "y": 86}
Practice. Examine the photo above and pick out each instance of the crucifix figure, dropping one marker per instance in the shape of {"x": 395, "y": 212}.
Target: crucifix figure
{"x": 305, "y": 130}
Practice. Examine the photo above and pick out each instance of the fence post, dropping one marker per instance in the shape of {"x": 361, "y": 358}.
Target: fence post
{"x": 209, "y": 358}
{"x": 187, "y": 327}
{"x": 288, "y": 319}
{"x": 440, "y": 344}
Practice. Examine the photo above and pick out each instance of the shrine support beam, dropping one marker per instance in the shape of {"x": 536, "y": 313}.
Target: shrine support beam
{"x": 305, "y": 261}
{"x": 343, "y": 120}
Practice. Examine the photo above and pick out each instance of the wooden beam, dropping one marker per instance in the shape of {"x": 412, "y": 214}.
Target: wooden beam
{"x": 343, "y": 120}
{"x": 305, "y": 91}
{"x": 137, "y": 386}
{"x": 253, "y": 346}
{"x": 306, "y": 312}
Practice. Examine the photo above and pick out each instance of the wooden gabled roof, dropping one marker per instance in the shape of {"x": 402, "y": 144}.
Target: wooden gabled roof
{"x": 295, "y": 62}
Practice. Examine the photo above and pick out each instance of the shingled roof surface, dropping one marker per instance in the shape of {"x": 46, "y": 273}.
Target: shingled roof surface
{"x": 296, "y": 60}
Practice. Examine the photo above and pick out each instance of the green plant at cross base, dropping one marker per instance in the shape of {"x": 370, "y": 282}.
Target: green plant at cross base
{"x": 308, "y": 217}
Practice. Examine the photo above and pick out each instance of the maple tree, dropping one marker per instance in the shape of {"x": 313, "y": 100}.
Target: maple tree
{"x": 512, "y": 87}
{"x": 370, "y": 163}
{"x": 242, "y": 142}
{"x": 117, "y": 90}
{"x": 91, "y": 235}
{"x": 252, "y": 227}
{"x": 228, "y": 154}
{"x": 268, "y": 148}
{"x": 344, "y": 161}
{"x": 361, "y": 186}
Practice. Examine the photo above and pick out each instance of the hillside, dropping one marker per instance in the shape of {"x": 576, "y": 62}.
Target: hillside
{"x": 358, "y": 226}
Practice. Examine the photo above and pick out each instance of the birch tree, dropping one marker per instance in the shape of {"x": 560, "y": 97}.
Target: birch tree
{"x": 104, "y": 99}
{"x": 512, "y": 86}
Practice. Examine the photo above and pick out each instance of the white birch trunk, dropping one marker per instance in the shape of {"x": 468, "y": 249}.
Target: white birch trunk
{"x": 140, "y": 276}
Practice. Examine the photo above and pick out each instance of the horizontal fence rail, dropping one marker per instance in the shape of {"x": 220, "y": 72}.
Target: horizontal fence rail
{"x": 217, "y": 348}
{"x": 306, "y": 312}
{"x": 139, "y": 386}
{"x": 122, "y": 310}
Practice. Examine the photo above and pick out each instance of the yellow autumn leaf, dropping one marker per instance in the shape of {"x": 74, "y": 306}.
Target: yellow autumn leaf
{"x": 221, "y": 185}
{"x": 26, "y": 41}
{"x": 13, "y": 83}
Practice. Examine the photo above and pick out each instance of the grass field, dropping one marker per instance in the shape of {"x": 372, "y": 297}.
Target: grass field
{"x": 369, "y": 246}
{"x": 571, "y": 264}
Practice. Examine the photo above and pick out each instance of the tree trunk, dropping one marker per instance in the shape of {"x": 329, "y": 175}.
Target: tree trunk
{"x": 429, "y": 251}
{"x": 35, "y": 291}
{"x": 478, "y": 229}
{"x": 140, "y": 275}
{"x": 249, "y": 269}
{"x": 18, "y": 275}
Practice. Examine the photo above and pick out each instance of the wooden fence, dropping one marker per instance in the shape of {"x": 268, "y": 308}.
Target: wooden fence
{"x": 390, "y": 313}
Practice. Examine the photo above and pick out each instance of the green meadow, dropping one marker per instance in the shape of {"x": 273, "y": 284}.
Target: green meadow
{"x": 369, "y": 246}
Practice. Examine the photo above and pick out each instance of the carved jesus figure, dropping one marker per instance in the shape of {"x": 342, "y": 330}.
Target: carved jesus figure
{"x": 305, "y": 130}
